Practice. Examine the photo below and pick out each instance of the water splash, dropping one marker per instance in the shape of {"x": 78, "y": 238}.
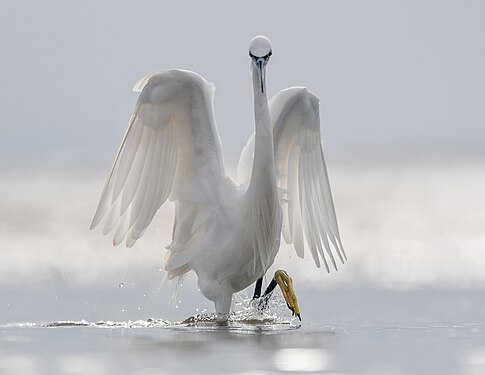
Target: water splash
{"x": 266, "y": 310}
{"x": 262, "y": 314}
{"x": 149, "y": 323}
{"x": 271, "y": 313}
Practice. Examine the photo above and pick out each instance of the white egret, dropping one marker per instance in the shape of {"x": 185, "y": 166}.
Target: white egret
{"x": 227, "y": 232}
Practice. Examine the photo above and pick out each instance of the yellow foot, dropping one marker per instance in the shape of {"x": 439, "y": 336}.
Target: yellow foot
{"x": 286, "y": 284}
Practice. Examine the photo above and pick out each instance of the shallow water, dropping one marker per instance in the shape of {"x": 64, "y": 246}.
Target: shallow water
{"x": 336, "y": 340}
{"x": 123, "y": 348}
{"x": 411, "y": 299}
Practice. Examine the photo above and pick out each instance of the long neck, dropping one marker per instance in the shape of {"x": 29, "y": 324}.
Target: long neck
{"x": 263, "y": 173}
{"x": 262, "y": 194}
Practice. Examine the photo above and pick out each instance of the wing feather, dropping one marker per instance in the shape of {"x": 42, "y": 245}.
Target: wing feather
{"x": 302, "y": 171}
{"x": 170, "y": 150}
{"x": 294, "y": 209}
{"x": 309, "y": 214}
{"x": 130, "y": 148}
{"x": 134, "y": 178}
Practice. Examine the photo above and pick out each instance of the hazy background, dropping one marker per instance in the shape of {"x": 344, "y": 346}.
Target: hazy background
{"x": 402, "y": 86}
{"x": 397, "y": 79}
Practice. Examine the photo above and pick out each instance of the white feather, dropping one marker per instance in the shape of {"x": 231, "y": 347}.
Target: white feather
{"x": 309, "y": 212}
{"x": 171, "y": 133}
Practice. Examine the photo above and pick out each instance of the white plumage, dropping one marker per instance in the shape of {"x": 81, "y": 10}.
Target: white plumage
{"x": 306, "y": 199}
{"x": 227, "y": 232}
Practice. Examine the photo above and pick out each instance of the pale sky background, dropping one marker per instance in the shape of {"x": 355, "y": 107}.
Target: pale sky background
{"x": 397, "y": 79}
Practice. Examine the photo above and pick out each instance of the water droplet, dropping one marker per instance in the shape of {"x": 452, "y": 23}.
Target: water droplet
{"x": 138, "y": 308}
{"x": 122, "y": 310}
{"x": 159, "y": 270}
{"x": 121, "y": 285}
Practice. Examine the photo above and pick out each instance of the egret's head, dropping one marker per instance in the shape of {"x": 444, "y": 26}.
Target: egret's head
{"x": 260, "y": 46}
{"x": 260, "y": 52}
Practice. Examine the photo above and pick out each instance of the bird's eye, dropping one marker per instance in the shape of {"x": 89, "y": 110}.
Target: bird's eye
{"x": 270, "y": 53}
{"x": 251, "y": 55}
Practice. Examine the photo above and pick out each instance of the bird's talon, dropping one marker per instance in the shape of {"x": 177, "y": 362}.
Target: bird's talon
{"x": 286, "y": 284}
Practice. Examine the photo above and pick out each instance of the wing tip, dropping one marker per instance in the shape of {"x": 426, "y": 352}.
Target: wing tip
{"x": 92, "y": 225}
{"x": 130, "y": 241}
{"x": 98, "y": 216}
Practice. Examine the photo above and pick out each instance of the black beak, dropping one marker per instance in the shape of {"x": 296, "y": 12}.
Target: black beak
{"x": 260, "y": 66}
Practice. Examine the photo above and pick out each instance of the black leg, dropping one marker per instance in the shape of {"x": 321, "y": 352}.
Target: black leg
{"x": 263, "y": 302}
{"x": 257, "y": 289}
{"x": 270, "y": 287}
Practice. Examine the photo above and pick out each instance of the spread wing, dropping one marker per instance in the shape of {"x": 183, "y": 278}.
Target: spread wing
{"x": 309, "y": 214}
{"x": 171, "y": 150}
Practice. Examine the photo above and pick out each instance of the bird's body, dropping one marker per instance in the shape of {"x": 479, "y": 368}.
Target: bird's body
{"x": 227, "y": 232}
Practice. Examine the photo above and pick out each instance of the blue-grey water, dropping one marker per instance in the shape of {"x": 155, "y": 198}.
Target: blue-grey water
{"x": 410, "y": 300}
